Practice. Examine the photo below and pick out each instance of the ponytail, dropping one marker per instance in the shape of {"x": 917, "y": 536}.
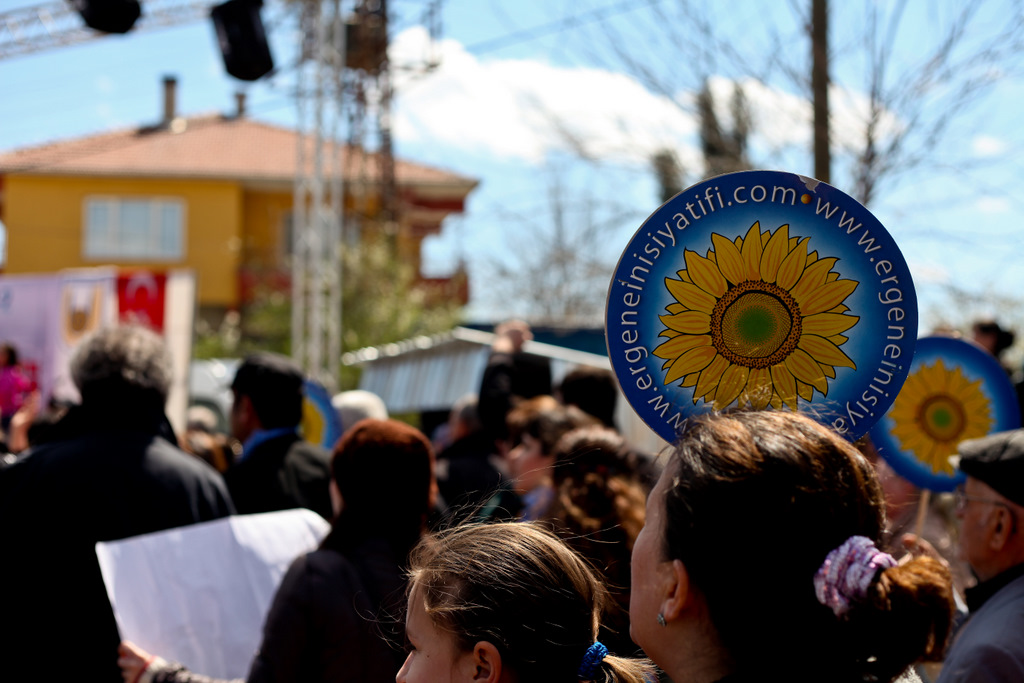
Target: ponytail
{"x": 624, "y": 670}
{"x": 911, "y": 608}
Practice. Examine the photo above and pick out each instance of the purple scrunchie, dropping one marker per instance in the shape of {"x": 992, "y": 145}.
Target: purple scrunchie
{"x": 847, "y": 573}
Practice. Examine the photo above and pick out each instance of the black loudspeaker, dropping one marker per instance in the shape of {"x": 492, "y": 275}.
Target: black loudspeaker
{"x": 243, "y": 42}
{"x": 109, "y": 16}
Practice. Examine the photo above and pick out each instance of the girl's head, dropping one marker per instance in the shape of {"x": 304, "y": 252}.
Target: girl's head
{"x": 383, "y": 473}
{"x": 745, "y": 515}
{"x": 505, "y": 598}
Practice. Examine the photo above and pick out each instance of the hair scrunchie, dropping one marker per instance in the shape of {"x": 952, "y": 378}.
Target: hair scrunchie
{"x": 848, "y": 572}
{"x": 592, "y": 659}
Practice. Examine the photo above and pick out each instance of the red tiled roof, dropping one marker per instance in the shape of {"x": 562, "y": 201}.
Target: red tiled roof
{"x": 213, "y": 147}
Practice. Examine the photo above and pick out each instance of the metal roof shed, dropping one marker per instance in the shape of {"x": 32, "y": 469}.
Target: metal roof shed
{"x": 431, "y": 373}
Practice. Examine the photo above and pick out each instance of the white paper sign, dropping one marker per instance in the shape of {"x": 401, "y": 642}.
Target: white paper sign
{"x": 198, "y": 595}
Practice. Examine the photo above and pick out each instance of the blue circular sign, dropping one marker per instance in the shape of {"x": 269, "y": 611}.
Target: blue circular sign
{"x": 761, "y": 289}
{"x": 955, "y": 391}
{"x": 320, "y": 421}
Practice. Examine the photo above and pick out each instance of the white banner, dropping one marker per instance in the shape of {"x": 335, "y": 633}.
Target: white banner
{"x": 198, "y": 595}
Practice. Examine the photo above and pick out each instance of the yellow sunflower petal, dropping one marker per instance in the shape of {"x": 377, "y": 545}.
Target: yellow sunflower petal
{"x": 776, "y": 402}
{"x": 677, "y": 346}
{"x": 690, "y": 380}
{"x": 828, "y": 370}
{"x": 729, "y": 260}
{"x": 805, "y": 369}
{"x": 689, "y": 322}
{"x": 838, "y": 339}
{"x": 758, "y": 392}
{"x": 804, "y": 391}
{"x": 785, "y": 384}
{"x": 774, "y": 252}
{"x": 826, "y": 296}
{"x": 691, "y": 361}
{"x": 752, "y": 252}
{"x": 669, "y": 333}
{"x": 824, "y": 351}
{"x": 711, "y": 376}
{"x": 676, "y": 307}
{"x": 705, "y": 274}
{"x": 793, "y": 265}
{"x": 690, "y": 295}
{"x": 734, "y": 380}
{"x": 827, "y": 324}
{"x": 813, "y": 277}
{"x": 684, "y": 276}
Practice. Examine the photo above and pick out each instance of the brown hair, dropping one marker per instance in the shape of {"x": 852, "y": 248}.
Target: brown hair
{"x": 756, "y": 502}
{"x": 519, "y": 588}
{"x": 546, "y": 420}
{"x": 384, "y": 470}
{"x": 598, "y": 510}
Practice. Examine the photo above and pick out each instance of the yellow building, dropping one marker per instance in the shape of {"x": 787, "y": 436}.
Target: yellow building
{"x": 212, "y": 193}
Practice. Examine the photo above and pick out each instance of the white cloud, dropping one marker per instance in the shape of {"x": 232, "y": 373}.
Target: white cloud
{"x": 992, "y": 205}
{"x": 987, "y": 146}
{"x": 525, "y": 109}
{"x": 929, "y": 274}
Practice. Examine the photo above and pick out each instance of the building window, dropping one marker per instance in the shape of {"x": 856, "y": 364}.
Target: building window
{"x": 145, "y": 229}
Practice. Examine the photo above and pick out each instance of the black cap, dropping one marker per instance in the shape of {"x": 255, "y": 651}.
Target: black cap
{"x": 998, "y": 461}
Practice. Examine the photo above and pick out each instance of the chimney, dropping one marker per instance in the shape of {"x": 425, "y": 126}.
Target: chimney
{"x": 239, "y": 105}
{"x": 170, "y": 97}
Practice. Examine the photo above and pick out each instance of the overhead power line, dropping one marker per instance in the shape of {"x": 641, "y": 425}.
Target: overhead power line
{"x": 525, "y": 35}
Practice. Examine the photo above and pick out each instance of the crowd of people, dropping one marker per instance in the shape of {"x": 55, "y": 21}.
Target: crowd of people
{"x": 524, "y": 541}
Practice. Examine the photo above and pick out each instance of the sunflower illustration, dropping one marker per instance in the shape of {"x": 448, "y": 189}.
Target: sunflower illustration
{"x": 759, "y": 319}
{"x": 938, "y": 408}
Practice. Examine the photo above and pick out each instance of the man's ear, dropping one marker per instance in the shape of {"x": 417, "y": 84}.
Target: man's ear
{"x": 678, "y": 592}
{"x": 485, "y": 663}
{"x": 1002, "y": 528}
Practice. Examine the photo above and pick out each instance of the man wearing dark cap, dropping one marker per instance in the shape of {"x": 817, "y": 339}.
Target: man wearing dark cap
{"x": 277, "y": 470}
{"x": 990, "y": 645}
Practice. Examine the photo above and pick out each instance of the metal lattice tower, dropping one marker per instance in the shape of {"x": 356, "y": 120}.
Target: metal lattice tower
{"x": 319, "y": 193}
{"x": 56, "y": 24}
{"x": 343, "y": 82}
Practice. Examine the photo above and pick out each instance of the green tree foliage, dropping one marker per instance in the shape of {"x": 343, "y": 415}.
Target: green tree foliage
{"x": 382, "y": 302}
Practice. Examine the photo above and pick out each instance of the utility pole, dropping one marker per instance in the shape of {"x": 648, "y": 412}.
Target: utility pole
{"x": 819, "y": 88}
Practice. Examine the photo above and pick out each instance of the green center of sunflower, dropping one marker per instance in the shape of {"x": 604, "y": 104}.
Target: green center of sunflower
{"x": 755, "y": 324}
{"x": 942, "y": 418}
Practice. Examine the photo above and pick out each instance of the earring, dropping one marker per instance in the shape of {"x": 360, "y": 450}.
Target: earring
{"x": 661, "y": 619}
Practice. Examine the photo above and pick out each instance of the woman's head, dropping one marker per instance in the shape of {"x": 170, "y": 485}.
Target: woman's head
{"x": 532, "y": 602}
{"x": 750, "y": 506}
{"x": 599, "y": 499}
{"x": 384, "y": 473}
{"x": 538, "y": 424}
{"x": 8, "y": 354}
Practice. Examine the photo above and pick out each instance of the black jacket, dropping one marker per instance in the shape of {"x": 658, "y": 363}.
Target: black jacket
{"x": 281, "y": 474}
{"x": 107, "y": 475}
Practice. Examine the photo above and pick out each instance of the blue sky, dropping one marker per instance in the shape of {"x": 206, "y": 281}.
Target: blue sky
{"x": 528, "y": 92}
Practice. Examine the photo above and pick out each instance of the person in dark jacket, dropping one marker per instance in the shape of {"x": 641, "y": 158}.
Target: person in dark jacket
{"x": 277, "y": 470}
{"x": 337, "y": 613}
{"x": 108, "y": 470}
